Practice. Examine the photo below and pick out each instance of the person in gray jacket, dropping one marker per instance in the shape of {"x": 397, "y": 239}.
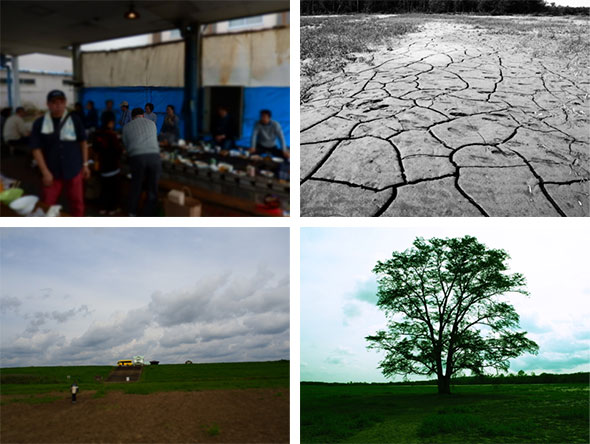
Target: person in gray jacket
{"x": 265, "y": 135}
{"x": 140, "y": 138}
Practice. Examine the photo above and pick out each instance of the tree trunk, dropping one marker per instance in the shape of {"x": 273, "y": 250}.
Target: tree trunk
{"x": 444, "y": 385}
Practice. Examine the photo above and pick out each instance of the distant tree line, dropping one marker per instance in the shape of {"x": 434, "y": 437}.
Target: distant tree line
{"x": 494, "y": 7}
{"x": 520, "y": 378}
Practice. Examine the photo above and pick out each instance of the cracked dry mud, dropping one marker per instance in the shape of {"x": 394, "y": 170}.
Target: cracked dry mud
{"x": 450, "y": 123}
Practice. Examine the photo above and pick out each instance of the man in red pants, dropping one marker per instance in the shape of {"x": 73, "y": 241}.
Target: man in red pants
{"x": 58, "y": 143}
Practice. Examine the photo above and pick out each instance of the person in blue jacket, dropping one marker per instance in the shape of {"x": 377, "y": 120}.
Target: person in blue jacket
{"x": 91, "y": 116}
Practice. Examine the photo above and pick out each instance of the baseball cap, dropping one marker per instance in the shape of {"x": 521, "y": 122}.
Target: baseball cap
{"x": 55, "y": 94}
{"x": 124, "y": 103}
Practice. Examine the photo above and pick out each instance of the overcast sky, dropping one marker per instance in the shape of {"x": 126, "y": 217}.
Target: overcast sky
{"x": 47, "y": 62}
{"x": 96, "y": 295}
{"x": 338, "y": 296}
{"x": 577, "y": 3}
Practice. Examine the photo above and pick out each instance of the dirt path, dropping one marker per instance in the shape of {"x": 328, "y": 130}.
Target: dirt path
{"x": 120, "y": 374}
{"x": 219, "y": 416}
{"x": 453, "y": 122}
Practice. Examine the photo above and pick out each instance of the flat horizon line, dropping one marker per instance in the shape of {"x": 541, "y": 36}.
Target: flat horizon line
{"x": 169, "y": 363}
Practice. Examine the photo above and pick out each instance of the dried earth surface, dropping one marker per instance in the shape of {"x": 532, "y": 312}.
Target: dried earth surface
{"x": 217, "y": 416}
{"x": 452, "y": 121}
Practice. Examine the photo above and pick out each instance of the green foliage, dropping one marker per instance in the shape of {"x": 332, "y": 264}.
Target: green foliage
{"x": 389, "y": 413}
{"x": 212, "y": 430}
{"x": 443, "y": 311}
{"x": 543, "y": 378}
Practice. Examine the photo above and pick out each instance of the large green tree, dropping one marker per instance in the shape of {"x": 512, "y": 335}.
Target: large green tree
{"x": 445, "y": 313}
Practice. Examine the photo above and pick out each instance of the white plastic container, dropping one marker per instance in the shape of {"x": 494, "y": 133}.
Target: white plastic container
{"x": 24, "y": 205}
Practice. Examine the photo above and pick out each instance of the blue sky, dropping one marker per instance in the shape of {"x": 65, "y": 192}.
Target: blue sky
{"x": 338, "y": 295}
{"x": 96, "y": 295}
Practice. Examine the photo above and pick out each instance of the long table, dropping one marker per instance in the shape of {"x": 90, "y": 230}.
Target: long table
{"x": 227, "y": 188}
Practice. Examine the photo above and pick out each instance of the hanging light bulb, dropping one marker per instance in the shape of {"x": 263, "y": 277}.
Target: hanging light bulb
{"x": 132, "y": 14}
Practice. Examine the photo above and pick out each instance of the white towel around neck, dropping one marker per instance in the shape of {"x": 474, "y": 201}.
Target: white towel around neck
{"x": 68, "y": 130}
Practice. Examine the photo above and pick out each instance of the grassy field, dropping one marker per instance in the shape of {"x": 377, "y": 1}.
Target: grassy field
{"x": 330, "y": 42}
{"x": 540, "y": 413}
{"x": 34, "y": 381}
{"x": 563, "y": 37}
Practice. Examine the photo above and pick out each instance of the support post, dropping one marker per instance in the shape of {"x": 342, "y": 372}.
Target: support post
{"x": 9, "y": 85}
{"x": 15, "y": 82}
{"x": 77, "y": 71}
{"x": 191, "y": 35}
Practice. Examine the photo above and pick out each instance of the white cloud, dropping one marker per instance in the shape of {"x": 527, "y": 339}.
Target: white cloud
{"x": 338, "y": 304}
{"x": 205, "y": 302}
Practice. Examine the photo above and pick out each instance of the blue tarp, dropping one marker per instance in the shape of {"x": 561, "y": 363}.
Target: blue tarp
{"x": 137, "y": 97}
{"x": 275, "y": 99}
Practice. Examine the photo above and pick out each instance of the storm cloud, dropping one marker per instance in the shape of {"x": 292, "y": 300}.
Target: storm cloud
{"x": 9, "y": 303}
{"x": 203, "y": 307}
{"x": 40, "y": 318}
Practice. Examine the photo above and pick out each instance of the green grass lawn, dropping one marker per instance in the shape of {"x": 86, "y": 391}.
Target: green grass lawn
{"x": 36, "y": 380}
{"x": 525, "y": 413}
{"x": 159, "y": 378}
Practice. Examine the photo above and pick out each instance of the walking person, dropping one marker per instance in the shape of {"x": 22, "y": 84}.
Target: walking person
{"x": 58, "y": 144}
{"x": 265, "y": 135}
{"x": 109, "y": 149}
{"x": 74, "y": 390}
{"x": 140, "y": 139}
{"x": 125, "y": 114}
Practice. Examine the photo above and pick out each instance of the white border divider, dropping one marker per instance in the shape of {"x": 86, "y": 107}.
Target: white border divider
{"x": 295, "y": 223}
